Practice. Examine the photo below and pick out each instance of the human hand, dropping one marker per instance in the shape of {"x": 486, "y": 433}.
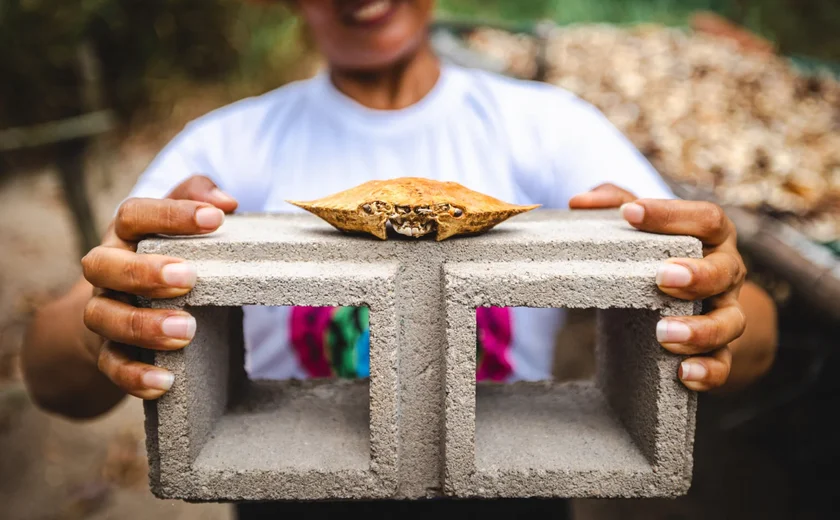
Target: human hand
{"x": 118, "y": 274}
{"x": 717, "y": 279}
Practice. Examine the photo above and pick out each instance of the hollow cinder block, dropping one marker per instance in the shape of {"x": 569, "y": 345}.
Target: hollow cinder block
{"x": 622, "y": 435}
{"x": 217, "y": 436}
{"x": 421, "y": 426}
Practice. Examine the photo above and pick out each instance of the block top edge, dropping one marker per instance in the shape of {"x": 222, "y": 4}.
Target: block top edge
{"x": 271, "y": 236}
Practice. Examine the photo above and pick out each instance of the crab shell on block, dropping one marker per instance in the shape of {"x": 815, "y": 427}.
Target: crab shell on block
{"x": 414, "y": 207}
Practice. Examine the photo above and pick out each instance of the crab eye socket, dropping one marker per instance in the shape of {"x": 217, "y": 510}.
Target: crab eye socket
{"x": 403, "y": 209}
{"x": 457, "y": 212}
{"x": 367, "y": 209}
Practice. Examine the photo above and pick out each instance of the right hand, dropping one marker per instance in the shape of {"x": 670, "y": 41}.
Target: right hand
{"x": 118, "y": 273}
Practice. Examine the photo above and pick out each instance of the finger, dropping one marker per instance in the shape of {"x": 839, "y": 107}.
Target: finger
{"x": 202, "y": 189}
{"x": 692, "y": 335}
{"x": 133, "y": 377}
{"x": 155, "y": 329}
{"x": 703, "y": 220}
{"x": 151, "y": 276}
{"x": 697, "y": 279}
{"x": 112, "y": 240}
{"x": 704, "y": 373}
{"x": 138, "y": 218}
{"x": 604, "y": 196}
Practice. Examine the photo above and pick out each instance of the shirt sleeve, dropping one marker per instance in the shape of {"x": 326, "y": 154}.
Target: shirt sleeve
{"x": 591, "y": 151}
{"x": 179, "y": 160}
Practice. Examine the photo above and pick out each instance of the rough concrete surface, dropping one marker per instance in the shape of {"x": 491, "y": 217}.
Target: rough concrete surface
{"x": 217, "y": 436}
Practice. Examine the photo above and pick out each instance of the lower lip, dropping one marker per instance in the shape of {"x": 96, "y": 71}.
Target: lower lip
{"x": 378, "y": 20}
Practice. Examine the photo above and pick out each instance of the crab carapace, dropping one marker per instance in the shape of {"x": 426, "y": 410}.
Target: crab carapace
{"x": 413, "y": 207}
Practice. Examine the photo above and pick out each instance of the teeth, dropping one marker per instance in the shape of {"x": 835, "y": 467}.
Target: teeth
{"x": 372, "y": 10}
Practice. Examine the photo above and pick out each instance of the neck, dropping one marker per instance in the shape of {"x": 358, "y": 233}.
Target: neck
{"x": 399, "y": 86}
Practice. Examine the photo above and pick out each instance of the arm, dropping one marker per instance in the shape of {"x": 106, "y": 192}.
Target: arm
{"x": 754, "y": 352}
{"x": 59, "y": 359}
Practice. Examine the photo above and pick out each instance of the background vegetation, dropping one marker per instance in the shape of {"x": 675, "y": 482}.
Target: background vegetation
{"x": 149, "y": 46}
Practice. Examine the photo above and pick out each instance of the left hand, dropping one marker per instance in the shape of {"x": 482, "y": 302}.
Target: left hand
{"x": 718, "y": 278}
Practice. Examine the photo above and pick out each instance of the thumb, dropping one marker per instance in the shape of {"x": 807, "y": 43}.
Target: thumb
{"x": 604, "y": 196}
{"x": 201, "y": 189}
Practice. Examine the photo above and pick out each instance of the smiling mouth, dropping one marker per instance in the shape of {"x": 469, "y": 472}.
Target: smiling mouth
{"x": 369, "y": 12}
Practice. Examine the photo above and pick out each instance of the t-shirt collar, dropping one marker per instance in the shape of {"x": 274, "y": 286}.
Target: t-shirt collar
{"x": 436, "y": 104}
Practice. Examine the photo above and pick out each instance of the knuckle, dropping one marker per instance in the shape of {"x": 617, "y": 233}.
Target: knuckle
{"x": 193, "y": 186}
{"x": 715, "y": 331}
{"x": 91, "y": 313}
{"x": 120, "y": 374}
{"x": 133, "y": 271}
{"x": 727, "y": 271}
{"x": 741, "y": 272}
{"x": 168, "y": 215}
{"x": 127, "y": 211}
{"x": 702, "y": 337}
{"x": 705, "y": 275}
{"x": 90, "y": 262}
{"x": 176, "y": 215}
{"x": 192, "y": 181}
{"x": 716, "y": 218}
{"x": 726, "y": 363}
{"x": 741, "y": 319}
{"x": 136, "y": 324}
{"x": 669, "y": 215}
{"x": 103, "y": 362}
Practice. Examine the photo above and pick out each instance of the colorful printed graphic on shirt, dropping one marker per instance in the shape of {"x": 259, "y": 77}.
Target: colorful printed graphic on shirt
{"x": 494, "y": 334}
{"x": 331, "y": 341}
{"x": 348, "y": 342}
{"x": 335, "y": 342}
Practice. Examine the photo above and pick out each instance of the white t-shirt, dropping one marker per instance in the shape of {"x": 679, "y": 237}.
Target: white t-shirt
{"x": 519, "y": 141}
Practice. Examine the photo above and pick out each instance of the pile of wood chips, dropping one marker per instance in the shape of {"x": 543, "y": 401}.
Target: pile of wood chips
{"x": 706, "y": 110}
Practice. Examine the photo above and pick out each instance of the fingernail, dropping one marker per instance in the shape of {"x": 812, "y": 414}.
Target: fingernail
{"x": 221, "y": 196}
{"x": 209, "y": 218}
{"x": 180, "y": 274}
{"x": 693, "y": 371}
{"x": 633, "y": 213}
{"x": 669, "y": 331}
{"x": 158, "y": 379}
{"x": 180, "y": 327}
{"x": 673, "y": 275}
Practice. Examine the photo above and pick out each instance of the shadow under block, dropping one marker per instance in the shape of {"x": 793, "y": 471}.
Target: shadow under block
{"x": 420, "y": 426}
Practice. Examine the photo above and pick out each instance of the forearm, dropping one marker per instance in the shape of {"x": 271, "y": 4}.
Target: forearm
{"x": 60, "y": 361}
{"x": 755, "y": 351}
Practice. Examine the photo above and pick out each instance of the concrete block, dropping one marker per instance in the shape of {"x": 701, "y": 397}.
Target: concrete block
{"x": 606, "y": 438}
{"x": 421, "y": 426}
{"x": 275, "y": 440}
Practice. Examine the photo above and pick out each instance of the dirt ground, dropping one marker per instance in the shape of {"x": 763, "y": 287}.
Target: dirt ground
{"x": 51, "y": 468}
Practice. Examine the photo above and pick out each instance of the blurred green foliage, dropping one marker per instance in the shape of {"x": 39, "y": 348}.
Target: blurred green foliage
{"x": 671, "y": 12}
{"x": 799, "y": 27}
{"x": 138, "y": 43}
{"x": 143, "y": 44}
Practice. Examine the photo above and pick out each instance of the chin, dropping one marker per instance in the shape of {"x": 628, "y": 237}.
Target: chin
{"x": 379, "y": 55}
{"x": 367, "y": 35}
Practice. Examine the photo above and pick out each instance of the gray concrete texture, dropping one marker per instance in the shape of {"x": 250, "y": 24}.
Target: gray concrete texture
{"x": 421, "y": 426}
